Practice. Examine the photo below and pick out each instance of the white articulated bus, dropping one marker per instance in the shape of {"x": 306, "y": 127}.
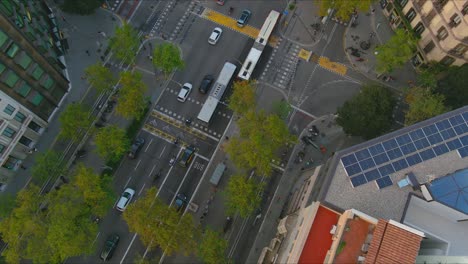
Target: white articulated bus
{"x": 216, "y": 92}
{"x": 259, "y": 45}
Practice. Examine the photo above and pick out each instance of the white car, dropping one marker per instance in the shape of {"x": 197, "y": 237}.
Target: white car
{"x": 184, "y": 92}
{"x": 215, "y": 35}
{"x": 125, "y": 199}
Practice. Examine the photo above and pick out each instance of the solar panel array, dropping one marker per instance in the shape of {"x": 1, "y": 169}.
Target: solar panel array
{"x": 377, "y": 162}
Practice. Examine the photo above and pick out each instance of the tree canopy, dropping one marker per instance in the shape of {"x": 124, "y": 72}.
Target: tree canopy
{"x": 100, "y": 77}
{"x": 125, "y": 42}
{"x": 242, "y": 98}
{"x": 423, "y": 104}
{"x": 47, "y": 164}
{"x": 81, "y": 7}
{"x": 167, "y": 58}
{"x": 131, "y": 102}
{"x": 344, "y": 8}
{"x": 282, "y": 109}
{"x": 242, "y": 195}
{"x": 74, "y": 121}
{"x": 111, "y": 142}
{"x": 212, "y": 248}
{"x": 453, "y": 86}
{"x": 395, "y": 52}
{"x": 367, "y": 114}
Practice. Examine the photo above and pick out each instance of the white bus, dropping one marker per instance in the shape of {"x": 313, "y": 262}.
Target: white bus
{"x": 259, "y": 44}
{"x": 217, "y": 92}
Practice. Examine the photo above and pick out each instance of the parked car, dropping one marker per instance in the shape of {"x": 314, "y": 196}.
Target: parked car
{"x": 136, "y": 146}
{"x": 109, "y": 247}
{"x": 187, "y": 157}
{"x": 125, "y": 199}
{"x": 180, "y": 201}
{"x": 215, "y": 35}
{"x": 244, "y": 18}
{"x": 184, "y": 92}
{"x": 206, "y": 84}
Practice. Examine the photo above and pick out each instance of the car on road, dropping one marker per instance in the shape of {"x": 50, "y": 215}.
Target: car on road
{"x": 109, "y": 247}
{"x": 184, "y": 92}
{"x": 187, "y": 157}
{"x": 215, "y": 35}
{"x": 180, "y": 201}
{"x": 125, "y": 199}
{"x": 220, "y": 2}
{"x": 206, "y": 84}
{"x": 244, "y": 18}
{"x": 136, "y": 146}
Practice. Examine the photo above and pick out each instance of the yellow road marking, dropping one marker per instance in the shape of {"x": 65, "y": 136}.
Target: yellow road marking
{"x": 162, "y": 134}
{"x": 231, "y": 23}
{"x": 177, "y": 124}
{"x": 332, "y": 66}
{"x": 304, "y": 54}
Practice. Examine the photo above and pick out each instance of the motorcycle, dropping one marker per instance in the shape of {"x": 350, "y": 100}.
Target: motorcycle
{"x": 231, "y": 9}
{"x": 227, "y": 224}
{"x": 172, "y": 161}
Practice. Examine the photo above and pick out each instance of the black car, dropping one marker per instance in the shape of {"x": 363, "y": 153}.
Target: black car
{"x": 244, "y": 18}
{"x": 109, "y": 247}
{"x": 135, "y": 148}
{"x": 187, "y": 157}
{"x": 206, "y": 84}
{"x": 180, "y": 201}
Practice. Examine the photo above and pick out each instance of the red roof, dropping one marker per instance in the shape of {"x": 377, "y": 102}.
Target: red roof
{"x": 319, "y": 239}
{"x": 392, "y": 244}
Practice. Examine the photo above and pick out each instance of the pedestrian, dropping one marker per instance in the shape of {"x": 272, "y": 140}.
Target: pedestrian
{"x": 373, "y": 10}
{"x": 227, "y": 138}
{"x": 63, "y": 18}
{"x": 87, "y": 52}
{"x": 23, "y": 167}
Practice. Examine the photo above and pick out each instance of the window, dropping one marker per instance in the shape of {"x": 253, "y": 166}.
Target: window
{"x": 48, "y": 83}
{"x": 34, "y": 126}
{"x": 9, "y": 109}
{"x": 37, "y": 99}
{"x": 25, "y": 141}
{"x": 402, "y": 2}
{"x": 11, "y": 163}
{"x": 442, "y": 33}
{"x": 2, "y": 148}
{"x": 20, "y": 117}
{"x": 9, "y": 132}
{"x": 37, "y": 73}
{"x": 419, "y": 28}
{"x": 465, "y": 9}
{"x": 447, "y": 60}
{"x": 24, "y": 89}
{"x": 25, "y": 61}
{"x": 2, "y": 68}
{"x": 459, "y": 50}
{"x": 11, "y": 79}
{"x": 410, "y": 15}
{"x": 429, "y": 47}
{"x": 11, "y": 52}
{"x": 3, "y": 38}
{"x": 455, "y": 20}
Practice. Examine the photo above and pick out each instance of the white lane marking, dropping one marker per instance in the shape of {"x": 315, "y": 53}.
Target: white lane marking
{"x": 202, "y": 157}
{"x": 151, "y": 172}
{"x": 126, "y": 184}
{"x": 129, "y": 246}
{"x": 96, "y": 237}
{"x": 149, "y": 144}
{"x": 238, "y": 237}
{"x": 137, "y": 164}
{"x": 142, "y": 187}
{"x": 167, "y": 175}
{"x": 162, "y": 152}
{"x": 180, "y": 185}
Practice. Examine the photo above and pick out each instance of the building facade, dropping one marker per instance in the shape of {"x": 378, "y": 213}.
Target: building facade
{"x": 33, "y": 80}
{"x": 440, "y": 25}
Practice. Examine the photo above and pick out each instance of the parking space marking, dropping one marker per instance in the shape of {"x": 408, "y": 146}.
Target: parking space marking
{"x": 151, "y": 172}
{"x": 149, "y": 144}
{"x": 142, "y": 187}
{"x": 138, "y": 164}
{"x": 162, "y": 152}
{"x": 202, "y": 157}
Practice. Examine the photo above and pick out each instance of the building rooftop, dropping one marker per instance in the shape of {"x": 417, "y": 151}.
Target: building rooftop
{"x": 372, "y": 177}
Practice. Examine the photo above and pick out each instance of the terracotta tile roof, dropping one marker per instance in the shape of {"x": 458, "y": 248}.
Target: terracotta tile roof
{"x": 392, "y": 244}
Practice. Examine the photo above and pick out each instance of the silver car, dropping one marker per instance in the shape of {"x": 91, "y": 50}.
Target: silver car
{"x": 215, "y": 35}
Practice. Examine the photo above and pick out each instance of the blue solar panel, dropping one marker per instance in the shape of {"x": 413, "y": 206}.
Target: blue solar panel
{"x": 465, "y": 116}
{"x": 448, "y": 134}
{"x": 376, "y": 149}
{"x": 413, "y": 159}
{"x": 454, "y": 144}
{"x": 464, "y": 140}
{"x": 372, "y": 175}
{"x": 422, "y": 143}
{"x": 358, "y": 180}
{"x": 461, "y": 129}
{"x": 384, "y": 182}
{"x": 417, "y": 134}
{"x": 408, "y": 148}
{"x": 390, "y": 144}
{"x": 394, "y": 153}
{"x": 403, "y": 139}
{"x": 400, "y": 164}
{"x": 456, "y": 120}
{"x": 430, "y": 129}
{"x": 353, "y": 169}
{"x": 434, "y": 139}
{"x": 463, "y": 152}
{"x": 381, "y": 158}
{"x": 427, "y": 154}
{"x": 451, "y": 190}
{"x": 386, "y": 170}
{"x": 362, "y": 154}
{"x": 348, "y": 160}
{"x": 366, "y": 164}
{"x": 444, "y": 124}
{"x": 440, "y": 149}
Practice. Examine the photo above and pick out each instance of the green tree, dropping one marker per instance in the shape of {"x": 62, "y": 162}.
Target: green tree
{"x": 282, "y": 109}
{"x": 167, "y": 58}
{"x": 430, "y": 74}
{"x": 7, "y": 204}
{"x": 367, "y": 114}
{"x": 395, "y": 52}
{"x": 100, "y": 77}
{"x": 242, "y": 195}
{"x": 423, "y": 104}
{"x": 74, "y": 120}
{"x": 452, "y": 86}
{"x": 212, "y": 247}
{"x": 82, "y": 7}
{"x": 96, "y": 190}
{"x": 243, "y": 97}
{"x": 344, "y": 8}
{"x": 131, "y": 103}
{"x": 47, "y": 164}
{"x": 125, "y": 42}
{"x": 111, "y": 142}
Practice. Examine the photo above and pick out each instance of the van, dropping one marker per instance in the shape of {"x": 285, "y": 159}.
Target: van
{"x": 187, "y": 157}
